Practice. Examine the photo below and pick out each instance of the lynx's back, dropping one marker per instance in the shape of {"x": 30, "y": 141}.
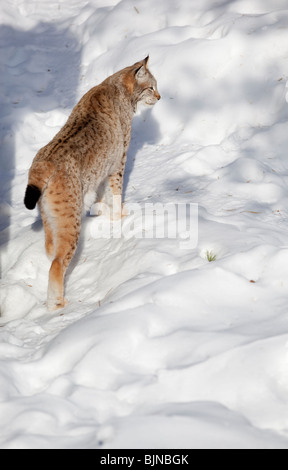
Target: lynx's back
{"x": 87, "y": 157}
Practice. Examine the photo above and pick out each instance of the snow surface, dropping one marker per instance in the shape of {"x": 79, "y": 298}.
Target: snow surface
{"x": 158, "y": 348}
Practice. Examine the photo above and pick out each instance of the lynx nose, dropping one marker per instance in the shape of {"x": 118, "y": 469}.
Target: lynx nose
{"x": 158, "y": 96}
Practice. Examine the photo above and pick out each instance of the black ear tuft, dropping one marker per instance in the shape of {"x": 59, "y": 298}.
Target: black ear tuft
{"x": 146, "y": 61}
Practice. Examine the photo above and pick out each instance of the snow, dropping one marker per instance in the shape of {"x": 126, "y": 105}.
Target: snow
{"x": 158, "y": 347}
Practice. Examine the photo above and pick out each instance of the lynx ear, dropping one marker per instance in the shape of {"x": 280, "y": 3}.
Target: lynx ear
{"x": 140, "y": 72}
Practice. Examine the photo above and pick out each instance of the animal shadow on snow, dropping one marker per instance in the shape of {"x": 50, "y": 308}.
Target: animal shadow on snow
{"x": 145, "y": 131}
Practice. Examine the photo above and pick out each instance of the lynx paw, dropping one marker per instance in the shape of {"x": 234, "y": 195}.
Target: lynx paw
{"x": 113, "y": 213}
{"x": 118, "y": 215}
{"x": 100, "y": 209}
{"x": 57, "y": 305}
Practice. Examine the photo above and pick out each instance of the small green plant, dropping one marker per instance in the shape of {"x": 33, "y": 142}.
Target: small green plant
{"x": 211, "y": 256}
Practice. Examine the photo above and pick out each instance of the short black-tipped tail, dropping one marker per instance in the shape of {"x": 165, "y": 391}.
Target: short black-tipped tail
{"x": 32, "y": 196}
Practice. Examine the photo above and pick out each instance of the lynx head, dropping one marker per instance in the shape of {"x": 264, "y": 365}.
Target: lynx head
{"x": 142, "y": 85}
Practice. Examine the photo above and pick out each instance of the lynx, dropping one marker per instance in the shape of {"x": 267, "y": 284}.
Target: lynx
{"x": 87, "y": 156}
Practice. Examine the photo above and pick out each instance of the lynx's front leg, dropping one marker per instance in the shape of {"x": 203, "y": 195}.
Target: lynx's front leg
{"x": 111, "y": 202}
{"x": 115, "y": 184}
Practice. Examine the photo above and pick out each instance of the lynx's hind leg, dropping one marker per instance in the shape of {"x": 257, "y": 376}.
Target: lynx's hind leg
{"x": 64, "y": 204}
{"x": 66, "y": 239}
{"x": 49, "y": 242}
